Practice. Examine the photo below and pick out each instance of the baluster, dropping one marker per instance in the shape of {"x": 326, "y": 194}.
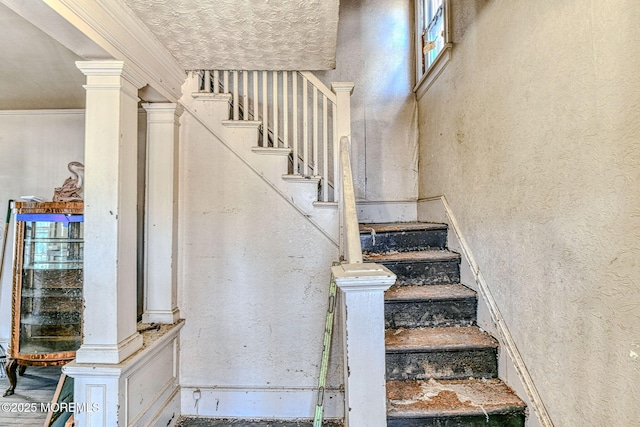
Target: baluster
{"x": 245, "y": 95}
{"x": 305, "y": 126}
{"x": 265, "y": 109}
{"x": 276, "y": 105}
{"x": 236, "y": 89}
{"x": 325, "y": 150}
{"x": 314, "y": 111}
{"x": 285, "y": 108}
{"x": 207, "y": 81}
{"x": 225, "y": 83}
{"x": 256, "y": 96}
{"x": 216, "y": 81}
{"x": 294, "y": 96}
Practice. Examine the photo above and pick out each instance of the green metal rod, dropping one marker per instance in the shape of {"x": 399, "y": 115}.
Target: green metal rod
{"x": 328, "y": 332}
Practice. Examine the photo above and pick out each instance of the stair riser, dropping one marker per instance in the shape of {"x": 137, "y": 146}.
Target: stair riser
{"x": 425, "y": 272}
{"x": 417, "y": 314}
{"x": 515, "y": 419}
{"x": 442, "y": 365}
{"x": 404, "y": 241}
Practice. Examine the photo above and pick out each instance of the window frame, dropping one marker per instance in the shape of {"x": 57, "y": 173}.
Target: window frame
{"x": 426, "y": 74}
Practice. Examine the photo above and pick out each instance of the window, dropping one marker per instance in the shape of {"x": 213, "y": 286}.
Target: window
{"x": 432, "y": 37}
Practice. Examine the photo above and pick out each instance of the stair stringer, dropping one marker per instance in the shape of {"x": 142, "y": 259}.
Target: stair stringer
{"x": 241, "y": 138}
{"x": 511, "y": 366}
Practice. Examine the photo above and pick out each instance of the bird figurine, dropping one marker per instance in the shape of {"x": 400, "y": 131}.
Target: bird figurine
{"x": 71, "y": 190}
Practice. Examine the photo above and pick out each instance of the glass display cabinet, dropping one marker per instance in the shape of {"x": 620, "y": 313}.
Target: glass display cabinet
{"x": 46, "y": 326}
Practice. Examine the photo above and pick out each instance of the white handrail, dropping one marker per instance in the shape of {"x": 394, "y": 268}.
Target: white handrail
{"x": 352, "y": 248}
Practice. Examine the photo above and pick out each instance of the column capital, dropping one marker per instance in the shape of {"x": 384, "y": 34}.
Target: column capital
{"x": 111, "y": 68}
{"x": 163, "y": 107}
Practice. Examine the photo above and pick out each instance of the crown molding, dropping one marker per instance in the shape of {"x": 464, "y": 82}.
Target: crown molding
{"x": 115, "y": 28}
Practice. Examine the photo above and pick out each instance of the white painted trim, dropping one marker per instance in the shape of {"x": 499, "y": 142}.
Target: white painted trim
{"x": 437, "y": 209}
{"x": 242, "y": 123}
{"x": 109, "y": 353}
{"x": 116, "y": 29}
{"x": 386, "y": 211}
{"x": 362, "y": 287}
{"x": 304, "y": 179}
{"x": 326, "y": 205}
{"x": 258, "y": 402}
{"x": 315, "y": 81}
{"x": 40, "y": 112}
{"x": 271, "y": 151}
{"x": 252, "y": 168}
{"x": 116, "y": 388}
{"x": 434, "y": 71}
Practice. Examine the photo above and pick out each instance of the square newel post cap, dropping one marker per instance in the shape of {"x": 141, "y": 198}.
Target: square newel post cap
{"x": 342, "y": 87}
{"x": 363, "y": 277}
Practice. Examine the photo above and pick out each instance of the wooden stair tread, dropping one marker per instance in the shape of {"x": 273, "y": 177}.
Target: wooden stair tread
{"x": 413, "y": 256}
{"x": 440, "y": 338}
{"x": 428, "y": 293}
{"x": 400, "y": 226}
{"x": 412, "y": 399}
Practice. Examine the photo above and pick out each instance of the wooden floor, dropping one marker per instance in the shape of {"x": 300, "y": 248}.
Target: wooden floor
{"x": 37, "y": 385}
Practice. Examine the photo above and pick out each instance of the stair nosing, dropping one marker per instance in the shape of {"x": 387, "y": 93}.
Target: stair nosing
{"x": 509, "y": 401}
{"x": 481, "y": 341}
{"x": 467, "y": 293}
{"x": 396, "y": 227}
{"x": 434, "y": 255}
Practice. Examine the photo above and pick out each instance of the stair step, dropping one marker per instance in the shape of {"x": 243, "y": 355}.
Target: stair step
{"x": 453, "y": 403}
{"x": 441, "y": 353}
{"x": 429, "y": 306}
{"x": 428, "y": 267}
{"x": 402, "y": 236}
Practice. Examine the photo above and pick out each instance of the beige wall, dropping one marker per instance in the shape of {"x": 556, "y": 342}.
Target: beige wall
{"x": 532, "y": 135}
{"x": 374, "y": 39}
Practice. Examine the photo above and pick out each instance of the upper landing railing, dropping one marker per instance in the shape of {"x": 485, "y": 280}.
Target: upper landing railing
{"x": 297, "y": 111}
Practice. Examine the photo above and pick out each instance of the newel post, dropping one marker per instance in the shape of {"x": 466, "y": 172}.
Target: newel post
{"x": 362, "y": 305}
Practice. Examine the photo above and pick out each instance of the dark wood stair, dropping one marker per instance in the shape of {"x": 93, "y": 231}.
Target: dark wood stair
{"x": 441, "y": 367}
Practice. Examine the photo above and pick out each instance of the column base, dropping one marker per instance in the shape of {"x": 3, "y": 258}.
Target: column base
{"x": 109, "y": 354}
{"x": 161, "y": 316}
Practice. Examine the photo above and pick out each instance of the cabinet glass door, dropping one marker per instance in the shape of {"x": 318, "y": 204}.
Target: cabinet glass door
{"x": 51, "y": 288}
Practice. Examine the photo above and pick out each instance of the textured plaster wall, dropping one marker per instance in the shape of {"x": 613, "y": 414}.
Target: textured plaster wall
{"x": 36, "y": 147}
{"x": 374, "y": 41}
{"x": 531, "y": 133}
{"x": 254, "y": 277}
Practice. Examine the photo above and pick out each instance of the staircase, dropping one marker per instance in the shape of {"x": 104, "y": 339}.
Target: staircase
{"x": 284, "y": 125}
{"x": 441, "y": 368}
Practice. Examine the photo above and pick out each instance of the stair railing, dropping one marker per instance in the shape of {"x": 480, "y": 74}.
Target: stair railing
{"x": 297, "y": 111}
{"x": 350, "y": 246}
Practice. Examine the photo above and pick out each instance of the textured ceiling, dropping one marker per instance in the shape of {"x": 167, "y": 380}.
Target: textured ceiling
{"x": 244, "y": 34}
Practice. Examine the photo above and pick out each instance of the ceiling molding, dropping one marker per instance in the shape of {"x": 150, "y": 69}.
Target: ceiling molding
{"x": 114, "y": 27}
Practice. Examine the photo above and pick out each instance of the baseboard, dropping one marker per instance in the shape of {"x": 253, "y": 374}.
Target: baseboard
{"x": 386, "y": 211}
{"x": 259, "y": 403}
{"x": 513, "y": 370}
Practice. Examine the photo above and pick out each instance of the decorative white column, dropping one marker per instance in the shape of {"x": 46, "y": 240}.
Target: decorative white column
{"x": 363, "y": 287}
{"x": 111, "y": 127}
{"x": 161, "y": 213}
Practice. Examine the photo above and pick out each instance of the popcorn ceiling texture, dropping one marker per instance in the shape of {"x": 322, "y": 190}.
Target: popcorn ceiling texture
{"x": 244, "y": 34}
